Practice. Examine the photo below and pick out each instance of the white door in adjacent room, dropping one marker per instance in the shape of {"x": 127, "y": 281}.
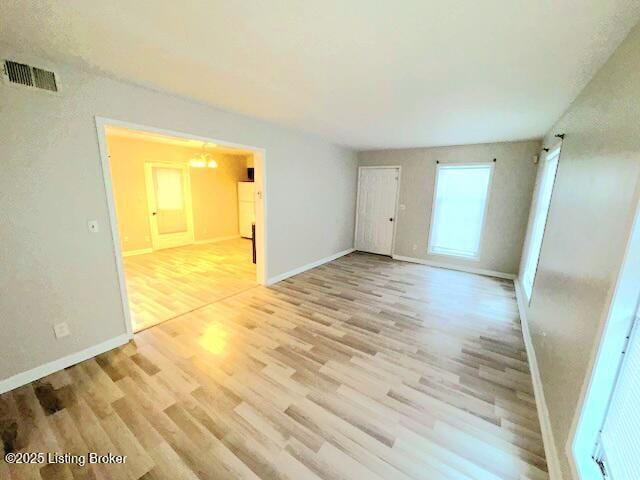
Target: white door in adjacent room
{"x": 377, "y": 200}
{"x": 169, "y": 201}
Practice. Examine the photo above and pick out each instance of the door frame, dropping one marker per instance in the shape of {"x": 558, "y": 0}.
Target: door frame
{"x": 260, "y": 162}
{"x": 156, "y": 240}
{"x": 396, "y": 207}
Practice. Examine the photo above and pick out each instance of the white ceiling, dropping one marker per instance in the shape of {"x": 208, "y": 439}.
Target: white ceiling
{"x": 363, "y": 73}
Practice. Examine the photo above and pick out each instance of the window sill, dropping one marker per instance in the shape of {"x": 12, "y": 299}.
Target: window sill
{"x": 475, "y": 258}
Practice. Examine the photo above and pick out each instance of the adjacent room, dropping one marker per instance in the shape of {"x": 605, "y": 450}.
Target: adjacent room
{"x": 186, "y": 220}
{"x": 298, "y": 240}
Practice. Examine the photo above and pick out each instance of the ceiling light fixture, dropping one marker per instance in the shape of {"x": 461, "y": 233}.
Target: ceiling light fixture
{"x": 203, "y": 160}
{"x": 197, "y": 163}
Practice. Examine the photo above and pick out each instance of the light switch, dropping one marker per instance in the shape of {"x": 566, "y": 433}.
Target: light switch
{"x": 403, "y": 206}
{"x": 93, "y": 226}
{"x": 61, "y": 330}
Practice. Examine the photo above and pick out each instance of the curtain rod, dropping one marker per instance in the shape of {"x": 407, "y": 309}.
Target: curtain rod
{"x": 557, "y": 135}
{"x": 494, "y": 160}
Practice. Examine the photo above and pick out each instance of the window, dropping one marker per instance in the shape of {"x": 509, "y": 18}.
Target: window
{"x": 540, "y": 212}
{"x": 168, "y": 187}
{"x": 459, "y": 206}
{"x": 617, "y": 452}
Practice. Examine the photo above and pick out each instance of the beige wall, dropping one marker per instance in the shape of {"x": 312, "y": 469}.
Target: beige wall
{"x": 215, "y": 197}
{"x": 509, "y": 199}
{"x": 595, "y": 194}
{"x": 213, "y": 191}
{"x": 52, "y": 269}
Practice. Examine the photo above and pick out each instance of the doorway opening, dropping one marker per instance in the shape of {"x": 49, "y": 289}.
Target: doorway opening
{"x": 187, "y": 219}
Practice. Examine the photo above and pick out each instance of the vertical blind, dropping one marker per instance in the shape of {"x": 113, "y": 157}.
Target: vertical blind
{"x": 171, "y": 214}
{"x": 620, "y": 437}
{"x": 168, "y": 186}
{"x": 460, "y": 202}
{"x": 540, "y": 213}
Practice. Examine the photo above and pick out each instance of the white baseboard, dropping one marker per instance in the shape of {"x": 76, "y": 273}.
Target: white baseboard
{"x": 460, "y": 268}
{"x": 48, "y": 368}
{"x": 217, "y": 239}
{"x": 308, "y": 266}
{"x": 142, "y": 251}
{"x": 550, "y": 450}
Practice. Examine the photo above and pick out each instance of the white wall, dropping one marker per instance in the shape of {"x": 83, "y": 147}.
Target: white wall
{"x": 52, "y": 269}
{"x": 594, "y": 199}
{"x": 509, "y": 199}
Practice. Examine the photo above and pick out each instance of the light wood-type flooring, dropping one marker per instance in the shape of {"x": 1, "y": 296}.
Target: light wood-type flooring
{"x": 171, "y": 282}
{"x": 365, "y": 368}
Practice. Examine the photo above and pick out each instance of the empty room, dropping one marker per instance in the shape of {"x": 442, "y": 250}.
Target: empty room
{"x": 186, "y": 216}
{"x": 307, "y": 240}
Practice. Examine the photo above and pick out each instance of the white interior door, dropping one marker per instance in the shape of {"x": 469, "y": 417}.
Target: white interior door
{"x": 169, "y": 199}
{"x": 377, "y": 199}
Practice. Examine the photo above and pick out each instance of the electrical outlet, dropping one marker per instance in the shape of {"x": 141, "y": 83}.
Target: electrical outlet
{"x": 61, "y": 330}
{"x": 93, "y": 226}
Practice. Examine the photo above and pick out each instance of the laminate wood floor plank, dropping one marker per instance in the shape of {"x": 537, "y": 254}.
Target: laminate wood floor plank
{"x": 168, "y": 283}
{"x": 361, "y": 368}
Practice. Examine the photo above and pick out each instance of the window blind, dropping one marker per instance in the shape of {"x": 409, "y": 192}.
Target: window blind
{"x": 168, "y": 183}
{"x": 620, "y": 438}
{"x": 460, "y": 201}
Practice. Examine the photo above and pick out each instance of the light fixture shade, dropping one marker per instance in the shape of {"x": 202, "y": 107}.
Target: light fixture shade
{"x": 197, "y": 163}
{"x": 203, "y": 160}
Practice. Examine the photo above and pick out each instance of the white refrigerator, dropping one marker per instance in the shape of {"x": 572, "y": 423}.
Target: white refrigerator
{"x": 246, "y": 207}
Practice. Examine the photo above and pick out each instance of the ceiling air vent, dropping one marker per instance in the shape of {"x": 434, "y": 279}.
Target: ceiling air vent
{"x": 23, "y": 74}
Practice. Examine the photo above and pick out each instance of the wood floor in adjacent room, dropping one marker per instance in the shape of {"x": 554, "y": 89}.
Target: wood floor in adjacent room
{"x": 363, "y": 368}
{"x": 168, "y": 283}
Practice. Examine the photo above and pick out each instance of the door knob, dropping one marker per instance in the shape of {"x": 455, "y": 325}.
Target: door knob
{"x": 391, "y": 219}
{"x": 154, "y": 213}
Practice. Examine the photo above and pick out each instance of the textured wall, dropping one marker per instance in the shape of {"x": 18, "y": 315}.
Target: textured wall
{"x": 54, "y": 270}
{"x": 594, "y": 198}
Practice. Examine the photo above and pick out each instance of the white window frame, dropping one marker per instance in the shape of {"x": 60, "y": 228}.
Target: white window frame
{"x": 528, "y": 289}
{"x": 600, "y": 456}
{"x": 604, "y": 363}
{"x": 439, "y": 167}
